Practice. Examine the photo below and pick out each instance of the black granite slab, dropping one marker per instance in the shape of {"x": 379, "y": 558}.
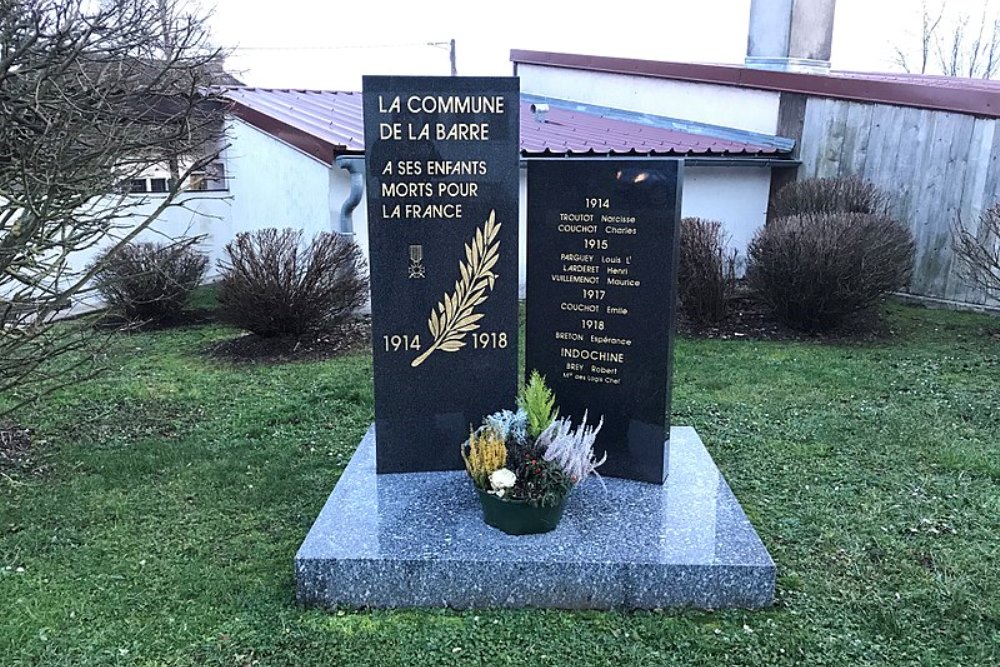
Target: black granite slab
{"x": 602, "y": 274}
{"x": 442, "y": 180}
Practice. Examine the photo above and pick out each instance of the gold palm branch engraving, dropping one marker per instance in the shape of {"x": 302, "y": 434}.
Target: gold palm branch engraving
{"x": 456, "y": 315}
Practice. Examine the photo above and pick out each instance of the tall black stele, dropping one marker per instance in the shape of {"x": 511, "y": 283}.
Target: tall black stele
{"x": 442, "y": 178}
{"x": 602, "y": 274}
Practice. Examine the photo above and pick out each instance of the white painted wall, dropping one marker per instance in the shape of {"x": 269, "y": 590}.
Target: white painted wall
{"x": 271, "y": 184}
{"x": 736, "y": 196}
{"x": 276, "y": 185}
{"x": 729, "y": 106}
{"x": 194, "y": 214}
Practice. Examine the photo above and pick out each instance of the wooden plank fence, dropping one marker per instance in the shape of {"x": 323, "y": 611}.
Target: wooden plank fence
{"x": 938, "y": 167}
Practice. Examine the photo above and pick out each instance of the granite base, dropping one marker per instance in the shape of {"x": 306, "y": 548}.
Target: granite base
{"x": 419, "y": 540}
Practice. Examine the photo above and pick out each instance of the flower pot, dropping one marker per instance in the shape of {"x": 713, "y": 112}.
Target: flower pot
{"x": 517, "y": 517}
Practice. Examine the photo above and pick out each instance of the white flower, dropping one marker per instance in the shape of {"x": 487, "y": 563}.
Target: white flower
{"x": 502, "y": 479}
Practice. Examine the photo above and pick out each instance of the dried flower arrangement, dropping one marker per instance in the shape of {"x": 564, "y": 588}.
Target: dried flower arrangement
{"x": 524, "y": 463}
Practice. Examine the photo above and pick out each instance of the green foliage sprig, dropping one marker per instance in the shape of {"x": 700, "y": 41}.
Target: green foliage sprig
{"x": 538, "y": 401}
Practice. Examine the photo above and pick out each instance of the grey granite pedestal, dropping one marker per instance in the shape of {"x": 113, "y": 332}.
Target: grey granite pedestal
{"x": 418, "y": 540}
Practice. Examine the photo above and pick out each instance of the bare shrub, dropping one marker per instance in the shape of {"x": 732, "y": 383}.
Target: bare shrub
{"x": 706, "y": 272}
{"x": 978, "y": 251}
{"x": 150, "y": 281}
{"x": 272, "y": 284}
{"x": 829, "y": 195}
{"x": 816, "y": 269}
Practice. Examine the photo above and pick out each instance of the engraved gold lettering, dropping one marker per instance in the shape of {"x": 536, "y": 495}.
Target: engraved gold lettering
{"x": 470, "y": 104}
{"x": 399, "y": 189}
{"x": 401, "y": 342}
{"x": 489, "y": 340}
{"x": 456, "y": 167}
{"x": 458, "y": 189}
{"x": 423, "y": 211}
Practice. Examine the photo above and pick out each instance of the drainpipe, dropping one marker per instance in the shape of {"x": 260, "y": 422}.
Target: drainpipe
{"x": 355, "y": 166}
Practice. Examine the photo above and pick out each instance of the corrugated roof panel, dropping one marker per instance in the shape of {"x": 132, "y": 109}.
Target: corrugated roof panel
{"x": 328, "y": 123}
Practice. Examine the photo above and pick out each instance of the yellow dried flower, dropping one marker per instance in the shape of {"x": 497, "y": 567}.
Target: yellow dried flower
{"x": 484, "y": 453}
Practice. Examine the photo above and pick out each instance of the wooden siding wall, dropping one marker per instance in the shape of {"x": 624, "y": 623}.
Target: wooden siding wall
{"x": 937, "y": 166}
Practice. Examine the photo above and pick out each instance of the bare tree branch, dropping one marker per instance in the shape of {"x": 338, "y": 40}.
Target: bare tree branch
{"x": 92, "y": 96}
{"x": 954, "y": 43}
{"x": 977, "y": 250}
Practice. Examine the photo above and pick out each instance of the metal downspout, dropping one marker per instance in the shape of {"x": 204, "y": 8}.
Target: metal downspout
{"x": 355, "y": 166}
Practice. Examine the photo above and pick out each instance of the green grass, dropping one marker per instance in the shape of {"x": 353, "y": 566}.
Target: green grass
{"x": 182, "y": 489}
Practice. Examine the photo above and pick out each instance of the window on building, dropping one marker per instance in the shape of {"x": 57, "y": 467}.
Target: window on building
{"x": 212, "y": 178}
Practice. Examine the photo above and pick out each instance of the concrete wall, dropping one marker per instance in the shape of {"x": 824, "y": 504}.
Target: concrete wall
{"x": 728, "y": 106}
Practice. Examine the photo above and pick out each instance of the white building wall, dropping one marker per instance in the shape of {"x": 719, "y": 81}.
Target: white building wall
{"x": 271, "y": 184}
{"x": 196, "y": 214}
{"x": 735, "y": 196}
{"x": 728, "y": 106}
{"x": 275, "y": 185}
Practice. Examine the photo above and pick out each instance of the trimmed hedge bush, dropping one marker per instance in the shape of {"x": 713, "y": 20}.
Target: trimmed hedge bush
{"x": 150, "y": 281}
{"x": 273, "y": 284}
{"x": 706, "y": 272}
{"x": 816, "y": 269}
{"x": 829, "y": 195}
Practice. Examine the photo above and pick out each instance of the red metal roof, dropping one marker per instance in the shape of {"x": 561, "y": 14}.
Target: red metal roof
{"x": 325, "y": 124}
{"x": 943, "y": 93}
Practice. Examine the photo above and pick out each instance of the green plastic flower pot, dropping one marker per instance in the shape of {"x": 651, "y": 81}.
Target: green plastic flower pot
{"x": 516, "y": 517}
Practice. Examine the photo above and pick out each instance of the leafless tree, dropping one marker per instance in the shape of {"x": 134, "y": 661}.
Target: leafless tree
{"x": 93, "y": 94}
{"x": 978, "y": 251}
{"x": 954, "y": 43}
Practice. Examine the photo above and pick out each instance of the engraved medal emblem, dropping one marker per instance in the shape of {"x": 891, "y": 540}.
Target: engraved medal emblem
{"x": 416, "y": 269}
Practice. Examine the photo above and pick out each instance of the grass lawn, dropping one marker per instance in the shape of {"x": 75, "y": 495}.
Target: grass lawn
{"x": 181, "y": 488}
